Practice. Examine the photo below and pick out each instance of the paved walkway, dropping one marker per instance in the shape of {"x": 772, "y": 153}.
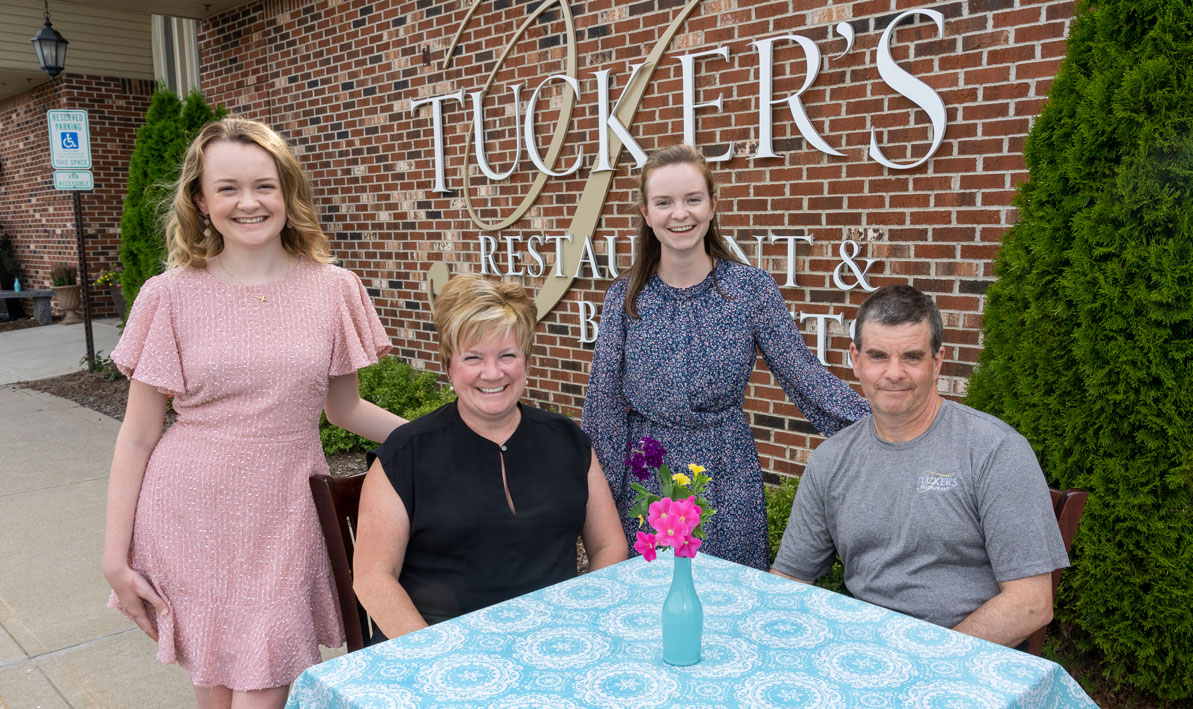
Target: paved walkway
{"x": 51, "y": 350}
{"x": 59, "y": 645}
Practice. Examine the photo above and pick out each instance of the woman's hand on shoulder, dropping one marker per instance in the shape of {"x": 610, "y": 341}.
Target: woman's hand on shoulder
{"x": 133, "y": 592}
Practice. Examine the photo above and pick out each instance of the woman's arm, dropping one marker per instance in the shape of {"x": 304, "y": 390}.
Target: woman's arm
{"x": 602, "y": 534}
{"x": 606, "y": 411}
{"x": 138, "y": 436}
{"x": 826, "y": 401}
{"x": 382, "y": 533}
{"x": 345, "y": 408}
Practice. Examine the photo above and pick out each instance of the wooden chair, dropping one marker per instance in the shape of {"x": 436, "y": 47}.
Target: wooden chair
{"x": 337, "y": 501}
{"x": 1068, "y": 505}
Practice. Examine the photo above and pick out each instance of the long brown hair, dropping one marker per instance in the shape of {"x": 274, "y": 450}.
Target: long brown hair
{"x": 189, "y": 247}
{"x": 648, "y": 249}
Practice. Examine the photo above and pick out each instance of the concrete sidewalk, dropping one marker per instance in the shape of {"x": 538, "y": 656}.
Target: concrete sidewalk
{"x": 60, "y": 646}
{"x": 51, "y": 350}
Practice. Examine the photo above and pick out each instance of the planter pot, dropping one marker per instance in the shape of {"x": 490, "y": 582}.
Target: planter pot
{"x": 118, "y": 300}
{"x": 68, "y": 299}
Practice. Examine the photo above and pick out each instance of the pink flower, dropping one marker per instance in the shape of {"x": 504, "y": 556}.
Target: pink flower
{"x": 674, "y": 520}
{"x": 681, "y": 515}
{"x": 666, "y": 522}
{"x": 688, "y": 512}
{"x": 688, "y": 547}
{"x": 658, "y": 512}
{"x": 645, "y": 546}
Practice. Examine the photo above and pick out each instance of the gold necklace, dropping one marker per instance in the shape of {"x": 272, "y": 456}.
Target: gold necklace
{"x": 259, "y": 296}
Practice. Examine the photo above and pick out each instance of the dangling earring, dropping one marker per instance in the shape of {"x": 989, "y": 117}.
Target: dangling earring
{"x": 206, "y": 227}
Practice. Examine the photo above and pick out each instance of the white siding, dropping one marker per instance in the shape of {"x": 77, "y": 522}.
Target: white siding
{"x": 103, "y": 42}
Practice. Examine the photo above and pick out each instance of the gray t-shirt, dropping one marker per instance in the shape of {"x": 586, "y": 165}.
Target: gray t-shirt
{"x": 927, "y": 527}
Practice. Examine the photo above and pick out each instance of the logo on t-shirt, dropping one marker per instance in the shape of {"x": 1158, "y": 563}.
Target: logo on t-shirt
{"x": 930, "y": 481}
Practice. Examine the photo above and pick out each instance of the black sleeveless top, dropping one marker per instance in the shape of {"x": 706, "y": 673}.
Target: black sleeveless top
{"x": 467, "y": 549}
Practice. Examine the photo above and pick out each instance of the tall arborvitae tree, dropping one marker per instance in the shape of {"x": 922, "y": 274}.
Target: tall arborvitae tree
{"x": 153, "y": 167}
{"x": 1089, "y": 329}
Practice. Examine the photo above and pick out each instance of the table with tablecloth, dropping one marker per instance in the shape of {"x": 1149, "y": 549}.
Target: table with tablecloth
{"x": 595, "y": 641}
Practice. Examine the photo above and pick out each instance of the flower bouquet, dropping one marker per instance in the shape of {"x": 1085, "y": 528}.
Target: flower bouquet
{"x": 109, "y": 278}
{"x": 677, "y": 517}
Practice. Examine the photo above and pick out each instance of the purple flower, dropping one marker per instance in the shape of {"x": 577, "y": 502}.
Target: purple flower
{"x": 637, "y": 463}
{"x": 654, "y": 452}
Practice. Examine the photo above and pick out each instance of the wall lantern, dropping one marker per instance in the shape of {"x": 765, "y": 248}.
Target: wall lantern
{"x": 50, "y": 47}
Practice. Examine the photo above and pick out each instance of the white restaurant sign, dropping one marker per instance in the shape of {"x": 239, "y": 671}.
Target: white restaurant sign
{"x": 572, "y": 250}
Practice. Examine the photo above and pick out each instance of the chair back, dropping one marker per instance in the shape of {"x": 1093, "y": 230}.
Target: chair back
{"x": 337, "y": 501}
{"x": 1068, "y": 506}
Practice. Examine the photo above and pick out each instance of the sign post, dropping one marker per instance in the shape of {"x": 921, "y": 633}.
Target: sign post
{"x": 70, "y": 156}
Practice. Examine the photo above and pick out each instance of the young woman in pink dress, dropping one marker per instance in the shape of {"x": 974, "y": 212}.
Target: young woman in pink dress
{"x": 212, "y": 544}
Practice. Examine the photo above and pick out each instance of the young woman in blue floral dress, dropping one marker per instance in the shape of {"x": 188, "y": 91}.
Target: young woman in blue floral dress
{"x": 677, "y": 345}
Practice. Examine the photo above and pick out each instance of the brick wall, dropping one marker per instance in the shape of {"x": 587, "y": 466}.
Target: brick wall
{"x": 39, "y": 219}
{"x": 338, "y": 79}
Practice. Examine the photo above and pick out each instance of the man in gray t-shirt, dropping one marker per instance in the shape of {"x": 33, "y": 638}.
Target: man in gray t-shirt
{"x": 937, "y": 510}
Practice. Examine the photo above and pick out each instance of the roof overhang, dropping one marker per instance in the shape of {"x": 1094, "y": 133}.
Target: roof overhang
{"x": 92, "y": 43}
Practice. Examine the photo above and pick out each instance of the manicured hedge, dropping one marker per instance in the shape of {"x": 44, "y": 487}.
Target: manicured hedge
{"x": 395, "y": 386}
{"x": 1089, "y": 330}
{"x": 170, "y": 125}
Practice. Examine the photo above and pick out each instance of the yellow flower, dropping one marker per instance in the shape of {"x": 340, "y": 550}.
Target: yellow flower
{"x": 681, "y": 479}
{"x": 696, "y": 469}
{"x": 639, "y": 520}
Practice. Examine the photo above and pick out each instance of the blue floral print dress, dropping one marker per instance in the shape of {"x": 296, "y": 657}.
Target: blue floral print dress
{"x": 678, "y": 373}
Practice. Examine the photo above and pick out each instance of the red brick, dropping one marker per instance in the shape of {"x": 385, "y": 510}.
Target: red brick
{"x": 991, "y": 68}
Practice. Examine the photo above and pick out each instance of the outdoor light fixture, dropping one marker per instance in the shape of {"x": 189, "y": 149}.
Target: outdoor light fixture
{"x": 50, "y": 47}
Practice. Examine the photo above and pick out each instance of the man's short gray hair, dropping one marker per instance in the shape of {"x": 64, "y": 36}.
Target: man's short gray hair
{"x": 897, "y": 305}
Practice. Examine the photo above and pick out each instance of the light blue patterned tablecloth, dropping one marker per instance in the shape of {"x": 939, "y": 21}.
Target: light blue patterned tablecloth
{"x": 768, "y": 642}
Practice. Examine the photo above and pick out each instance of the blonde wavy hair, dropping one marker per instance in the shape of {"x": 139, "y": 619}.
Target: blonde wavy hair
{"x": 472, "y": 308}
{"x": 186, "y": 244}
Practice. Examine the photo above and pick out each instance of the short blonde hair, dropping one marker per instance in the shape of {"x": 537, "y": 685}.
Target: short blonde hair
{"x": 189, "y": 247}
{"x": 471, "y": 308}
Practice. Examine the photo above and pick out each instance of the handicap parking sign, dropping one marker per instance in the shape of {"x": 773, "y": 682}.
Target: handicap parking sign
{"x": 70, "y": 142}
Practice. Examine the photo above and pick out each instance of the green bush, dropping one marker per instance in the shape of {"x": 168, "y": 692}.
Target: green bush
{"x": 778, "y": 510}
{"x": 153, "y": 168}
{"x": 62, "y": 275}
{"x": 1089, "y": 330}
{"x": 9, "y": 268}
{"x": 395, "y": 386}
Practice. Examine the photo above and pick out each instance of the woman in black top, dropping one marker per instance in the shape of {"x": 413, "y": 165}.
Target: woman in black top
{"x": 481, "y": 500}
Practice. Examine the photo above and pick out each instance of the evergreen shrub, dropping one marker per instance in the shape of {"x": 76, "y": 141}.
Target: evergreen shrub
{"x": 394, "y": 386}
{"x": 1088, "y": 331}
{"x": 9, "y": 267}
{"x": 778, "y": 510}
{"x": 153, "y": 168}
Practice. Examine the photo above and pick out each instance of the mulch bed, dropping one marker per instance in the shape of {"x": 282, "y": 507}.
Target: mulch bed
{"x": 108, "y": 397}
{"x": 21, "y": 324}
{"x": 94, "y": 392}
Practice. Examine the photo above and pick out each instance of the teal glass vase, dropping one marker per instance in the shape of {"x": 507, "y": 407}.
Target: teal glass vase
{"x": 683, "y": 618}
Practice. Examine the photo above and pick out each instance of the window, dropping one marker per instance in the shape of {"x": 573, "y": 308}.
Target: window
{"x": 176, "y": 53}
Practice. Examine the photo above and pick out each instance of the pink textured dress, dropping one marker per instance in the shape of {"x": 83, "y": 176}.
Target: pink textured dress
{"x": 225, "y": 528}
